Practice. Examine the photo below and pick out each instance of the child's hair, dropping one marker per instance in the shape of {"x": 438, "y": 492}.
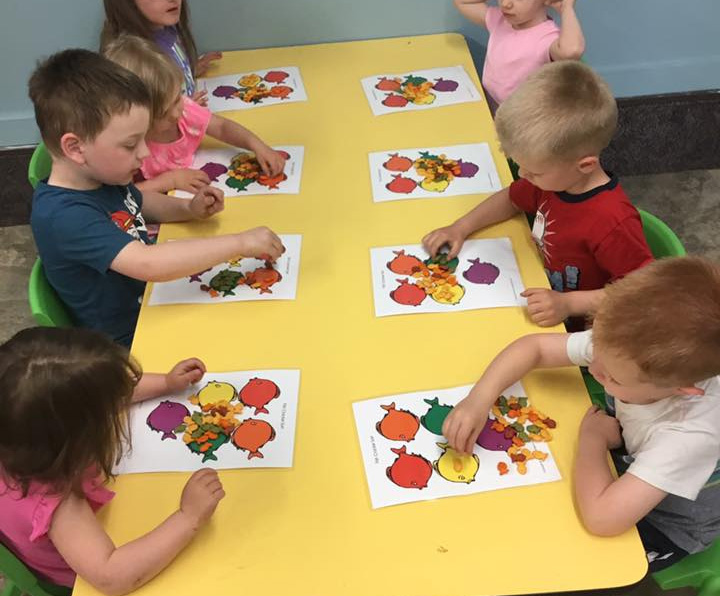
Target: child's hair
{"x": 64, "y": 397}
{"x": 79, "y": 91}
{"x": 562, "y": 112}
{"x": 162, "y": 77}
{"x": 123, "y": 16}
{"x": 665, "y": 318}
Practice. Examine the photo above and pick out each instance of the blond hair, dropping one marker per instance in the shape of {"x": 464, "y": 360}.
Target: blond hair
{"x": 665, "y": 318}
{"x": 562, "y": 112}
{"x": 161, "y": 75}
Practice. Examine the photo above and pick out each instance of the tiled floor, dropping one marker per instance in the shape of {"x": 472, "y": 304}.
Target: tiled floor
{"x": 689, "y": 202}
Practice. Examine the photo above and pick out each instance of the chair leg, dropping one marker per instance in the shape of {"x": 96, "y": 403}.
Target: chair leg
{"x": 710, "y": 587}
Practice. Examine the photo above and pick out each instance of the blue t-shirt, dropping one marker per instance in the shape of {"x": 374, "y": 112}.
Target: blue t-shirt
{"x": 78, "y": 234}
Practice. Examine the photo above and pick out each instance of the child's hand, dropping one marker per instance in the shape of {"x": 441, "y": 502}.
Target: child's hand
{"x": 200, "y": 97}
{"x": 272, "y": 162}
{"x": 204, "y": 62}
{"x": 262, "y": 243}
{"x": 449, "y": 235}
{"x": 558, "y": 5}
{"x": 207, "y": 202}
{"x": 597, "y": 423}
{"x": 184, "y": 373}
{"x": 546, "y": 307}
{"x": 201, "y": 495}
{"x": 464, "y": 423}
{"x": 189, "y": 180}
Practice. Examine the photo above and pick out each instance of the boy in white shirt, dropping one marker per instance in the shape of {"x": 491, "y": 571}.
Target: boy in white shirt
{"x": 655, "y": 347}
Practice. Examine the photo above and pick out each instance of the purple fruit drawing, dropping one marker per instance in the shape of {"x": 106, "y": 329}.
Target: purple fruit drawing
{"x": 213, "y": 170}
{"x": 196, "y": 276}
{"x": 166, "y": 417}
{"x": 481, "y": 273}
{"x": 493, "y": 440}
{"x": 468, "y": 169}
{"x": 226, "y": 91}
{"x": 443, "y": 85}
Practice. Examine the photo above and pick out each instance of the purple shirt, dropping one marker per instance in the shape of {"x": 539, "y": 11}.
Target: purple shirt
{"x": 169, "y": 41}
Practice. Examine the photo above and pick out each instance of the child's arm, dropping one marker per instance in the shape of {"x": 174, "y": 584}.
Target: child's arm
{"x": 608, "y": 506}
{"x": 232, "y": 133}
{"x": 473, "y": 10}
{"x": 548, "y": 307}
{"x": 173, "y": 260}
{"x": 89, "y": 551}
{"x": 183, "y": 374}
{"x": 570, "y": 45}
{"x": 181, "y": 179}
{"x": 494, "y": 209}
{"x": 162, "y": 208}
{"x": 543, "y": 350}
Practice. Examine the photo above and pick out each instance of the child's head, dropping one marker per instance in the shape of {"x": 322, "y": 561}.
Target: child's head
{"x": 657, "y": 331}
{"x": 520, "y": 13}
{"x": 161, "y": 76}
{"x": 91, "y": 112}
{"x": 64, "y": 395}
{"x": 556, "y": 124}
{"x": 143, "y": 17}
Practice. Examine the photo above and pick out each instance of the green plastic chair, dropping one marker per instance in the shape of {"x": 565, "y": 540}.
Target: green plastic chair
{"x": 45, "y": 305}
{"x": 700, "y": 571}
{"x": 20, "y": 580}
{"x": 663, "y": 243}
{"x": 40, "y": 165}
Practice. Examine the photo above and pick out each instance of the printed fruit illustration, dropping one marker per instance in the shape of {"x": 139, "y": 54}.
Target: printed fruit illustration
{"x": 414, "y": 81}
{"x": 493, "y": 440}
{"x": 196, "y": 276}
{"x": 398, "y": 425}
{"x": 285, "y": 154}
{"x": 263, "y": 278}
{"x": 257, "y": 393}
{"x": 467, "y": 169}
{"x": 434, "y": 185}
{"x": 401, "y": 185}
{"x": 223, "y": 283}
{"x": 281, "y": 91}
{"x": 251, "y": 435}
{"x": 215, "y": 392}
{"x": 435, "y": 416}
{"x": 448, "y": 293}
{"x": 225, "y": 91}
{"x": 442, "y": 261}
{"x": 481, "y": 273}
{"x": 166, "y": 417}
{"x": 213, "y": 170}
{"x": 272, "y": 181}
{"x": 250, "y": 80}
{"x": 408, "y": 294}
{"x": 445, "y": 85}
{"x": 208, "y": 447}
{"x": 404, "y": 264}
{"x": 395, "y": 101}
{"x": 424, "y": 99}
{"x": 276, "y": 76}
{"x": 385, "y": 84}
{"x": 409, "y": 470}
{"x": 397, "y": 163}
{"x": 455, "y": 467}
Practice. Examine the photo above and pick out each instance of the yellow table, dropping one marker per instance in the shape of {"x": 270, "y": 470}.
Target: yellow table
{"x": 309, "y": 530}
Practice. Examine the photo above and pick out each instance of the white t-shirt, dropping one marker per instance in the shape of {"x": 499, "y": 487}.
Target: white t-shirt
{"x": 675, "y": 442}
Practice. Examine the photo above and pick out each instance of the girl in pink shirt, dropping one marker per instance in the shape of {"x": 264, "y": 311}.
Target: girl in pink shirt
{"x": 522, "y": 38}
{"x": 178, "y": 124}
{"x": 64, "y": 394}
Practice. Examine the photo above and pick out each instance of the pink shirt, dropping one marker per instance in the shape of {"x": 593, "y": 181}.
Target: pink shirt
{"x": 25, "y": 522}
{"x": 513, "y": 54}
{"x": 180, "y": 153}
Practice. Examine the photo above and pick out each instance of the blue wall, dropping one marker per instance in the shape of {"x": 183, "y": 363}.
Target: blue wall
{"x": 641, "y": 47}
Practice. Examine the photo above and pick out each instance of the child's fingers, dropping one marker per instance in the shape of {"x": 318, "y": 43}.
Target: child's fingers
{"x": 455, "y": 247}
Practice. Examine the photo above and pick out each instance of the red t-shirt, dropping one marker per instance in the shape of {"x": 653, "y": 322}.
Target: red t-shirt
{"x": 586, "y": 240}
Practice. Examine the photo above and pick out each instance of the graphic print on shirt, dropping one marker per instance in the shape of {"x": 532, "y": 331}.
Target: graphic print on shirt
{"x": 542, "y": 232}
{"x": 182, "y": 60}
{"x": 130, "y": 221}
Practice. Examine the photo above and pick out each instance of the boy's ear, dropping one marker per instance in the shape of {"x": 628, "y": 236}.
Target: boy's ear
{"x": 72, "y": 147}
{"x": 588, "y": 163}
{"x": 692, "y": 390}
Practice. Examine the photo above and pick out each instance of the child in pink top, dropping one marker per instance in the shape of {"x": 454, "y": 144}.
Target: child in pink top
{"x": 522, "y": 38}
{"x": 178, "y": 124}
{"x": 65, "y": 394}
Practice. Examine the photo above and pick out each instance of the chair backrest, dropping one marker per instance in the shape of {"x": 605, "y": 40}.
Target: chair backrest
{"x": 45, "y": 305}
{"x": 660, "y": 238}
{"x": 40, "y": 165}
{"x": 20, "y": 580}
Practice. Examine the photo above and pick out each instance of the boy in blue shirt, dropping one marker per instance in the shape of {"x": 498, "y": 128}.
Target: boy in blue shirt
{"x": 88, "y": 219}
